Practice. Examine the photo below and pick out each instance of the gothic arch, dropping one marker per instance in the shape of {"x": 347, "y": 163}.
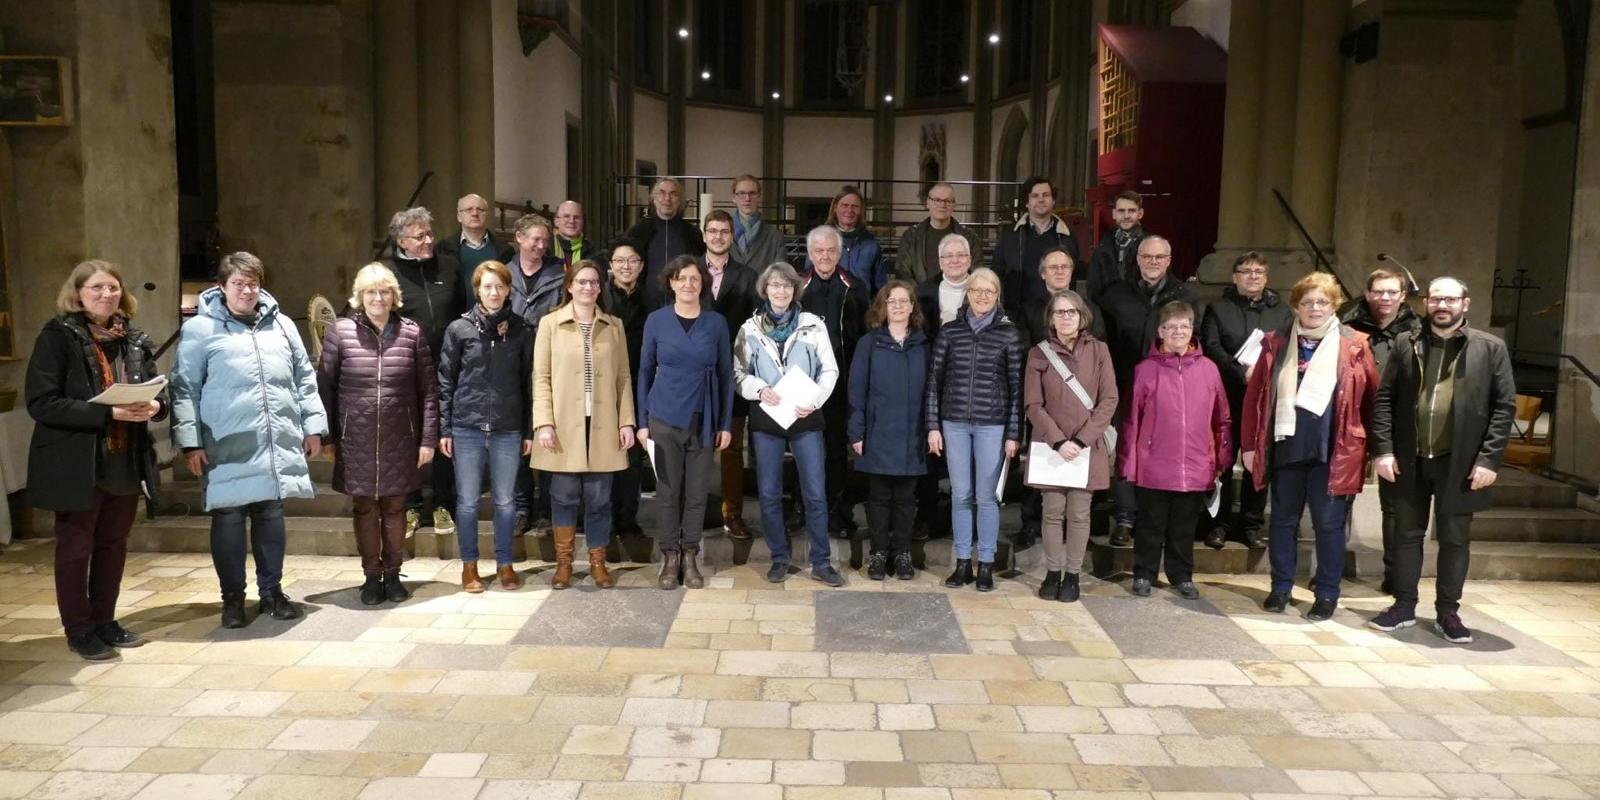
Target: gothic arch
{"x": 1010, "y": 145}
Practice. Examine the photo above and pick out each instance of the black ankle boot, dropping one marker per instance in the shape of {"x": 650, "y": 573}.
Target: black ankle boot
{"x": 962, "y": 574}
{"x": 671, "y": 567}
{"x": 393, "y": 590}
{"x": 233, "y": 611}
{"x": 1051, "y": 585}
{"x": 985, "y": 576}
{"x": 1069, "y": 588}
{"x": 372, "y": 591}
{"x": 878, "y": 566}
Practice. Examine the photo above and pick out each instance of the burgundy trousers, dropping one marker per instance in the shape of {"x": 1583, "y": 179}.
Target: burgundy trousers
{"x": 91, "y": 550}
{"x": 380, "y": 532}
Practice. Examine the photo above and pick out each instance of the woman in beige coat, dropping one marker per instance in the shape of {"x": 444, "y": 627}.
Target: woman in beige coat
{"x": 582, "y": 418}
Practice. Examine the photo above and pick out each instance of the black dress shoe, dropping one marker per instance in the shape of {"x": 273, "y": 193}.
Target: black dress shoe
{"x": 372, "y": 591}
{"x": 962, "y": 575}
{"x": 90, "y": 647}
{"x": 878, "y": 566}
{"x": 1188, "y": 591}
{"x": 1322, "y": 610}
{"x": 1276, "y": 602}
{"x": 777, "y": 573}
{"x": 827, "y": 574}
{"x": 393, "y": 590}
{"x": 1122, "y": 536}
{"x": 117, "y": 636}
{"x": 985, "y": 579}
{"x": 1069, "y": 588}
{"x": 736, "y": 529}
{"x": 1255, "y": 540}
{"x": 903, "y": 568}
{"x": 275, "y": 603}
{"x": 921, "y": 531}
{"x": 1141, "y": 587}
{"x": 1051, "y": 586}
{"x": 233, "y": 611}
{"x": 1217, "y": 539}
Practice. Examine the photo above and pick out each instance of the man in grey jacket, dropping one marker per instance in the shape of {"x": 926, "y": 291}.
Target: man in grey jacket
{"x": 918, "y": 257}
{"x": 756, "y": 244}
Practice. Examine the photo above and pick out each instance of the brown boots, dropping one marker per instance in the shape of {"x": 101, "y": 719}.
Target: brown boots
{"x": 470, "y": 582}
{"x": 563, "y": 535}
{"x": 508, "y": 578}
{"x": 597, "y": 568}
{"x": 691, "y": 569}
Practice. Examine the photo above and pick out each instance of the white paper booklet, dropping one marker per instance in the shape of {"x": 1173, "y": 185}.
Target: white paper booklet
{"x": 120, "y": 394}
{"x": 1046, "y": 467}
{"x": 796, "y": 390}
{"x": 1250, "y": 350}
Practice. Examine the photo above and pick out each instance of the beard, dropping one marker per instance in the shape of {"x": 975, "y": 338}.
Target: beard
{"x": 1446, "y": 319}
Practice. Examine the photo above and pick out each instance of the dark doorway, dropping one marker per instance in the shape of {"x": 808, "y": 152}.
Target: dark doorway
{"x": 192, "y": 68}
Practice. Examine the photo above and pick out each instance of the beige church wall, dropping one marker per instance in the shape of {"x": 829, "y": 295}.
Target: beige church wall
{"x": 294, "y": 144}
{"x": 721, "y": 141}
{"x": 534, "y": 95}
{"x": 1578, "y": 401}
{"x": 908, "y": 149}
{"x": 829, "y": 150}
{"x": 650, "y": 130}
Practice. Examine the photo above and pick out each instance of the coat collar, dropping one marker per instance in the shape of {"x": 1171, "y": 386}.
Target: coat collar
{"x": 563, "y": 315}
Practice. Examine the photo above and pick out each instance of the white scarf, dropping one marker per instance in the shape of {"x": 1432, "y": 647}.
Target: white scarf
{"x": 1314, "y": 391}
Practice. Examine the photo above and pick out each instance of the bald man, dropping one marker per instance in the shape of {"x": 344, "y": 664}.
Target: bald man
{"x": 473, "y": 244}
{"x": 569, "y": 245}
{"x": 662, "y": 236}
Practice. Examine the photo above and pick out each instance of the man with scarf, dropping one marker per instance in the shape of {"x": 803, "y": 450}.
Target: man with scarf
{"x": 842, "y": 304}
{"x": 570, "y": 246}
{"x": 663, "y": 236}
{"x": 756, "y": 244}
{"x": 1113, "y": 258}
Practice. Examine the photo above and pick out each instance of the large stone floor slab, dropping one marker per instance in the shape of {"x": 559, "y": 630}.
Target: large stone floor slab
{"x": 1167, "y": 626}
{"x": 888, "y": 623}
{"x": 582, "y": 617}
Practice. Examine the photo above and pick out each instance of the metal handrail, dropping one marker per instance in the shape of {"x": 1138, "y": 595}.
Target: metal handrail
{"x": 1575, "y": 361}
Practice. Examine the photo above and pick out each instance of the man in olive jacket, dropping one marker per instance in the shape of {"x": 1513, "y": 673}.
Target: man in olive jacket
{"x": 1439, "y": 431}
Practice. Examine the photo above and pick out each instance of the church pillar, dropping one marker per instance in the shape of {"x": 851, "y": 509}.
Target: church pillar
{"x": 596, "y": 150}
{"x": 1316, "y": 119}
{"x": 397, "y": 125}
{"x": 1073, "y": 28}
{"x": 440, "y": 107}
{"x": 775, "y": 24}
{"x": 983, "y": 114}
{"x": 1275, "y": 123}
{"x": 1247, "y": 32}
{"x": 677, "y": 95}
{"x": 477, "y": 99}
{"x": 886, "y": 29}
{"x": 1577, "y": 414}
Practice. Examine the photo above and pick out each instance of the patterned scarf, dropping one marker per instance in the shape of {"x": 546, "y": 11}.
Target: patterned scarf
{"x": 745, "y": 229}
{"x": 118, "y": 435}
{"x": 497, "y": 321}
{"x": 778, "y": 327}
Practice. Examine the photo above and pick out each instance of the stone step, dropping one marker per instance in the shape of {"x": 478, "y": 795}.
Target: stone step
{"x": 1546, "y": 525}
{"x": 1518, "y": 489}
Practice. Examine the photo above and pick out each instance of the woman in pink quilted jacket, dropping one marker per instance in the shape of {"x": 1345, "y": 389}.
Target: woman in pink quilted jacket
{"x": 1174, "y": 445}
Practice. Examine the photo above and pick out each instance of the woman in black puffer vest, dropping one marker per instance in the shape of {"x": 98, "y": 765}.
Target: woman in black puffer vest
{"x": 377, "y": 384}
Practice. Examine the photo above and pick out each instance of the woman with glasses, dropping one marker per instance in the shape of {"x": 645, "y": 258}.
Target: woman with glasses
{"x": 888, "y": 375}
{"x": 1173, "y": 448}
{"x": 247, "y": 415}
{"x": 1306, "y": 415}
{"x": 973, "y": 406}
{"x": 777, "y": 339}
{"x": 582, "y": 419}
{"x": 1069, "y": 391}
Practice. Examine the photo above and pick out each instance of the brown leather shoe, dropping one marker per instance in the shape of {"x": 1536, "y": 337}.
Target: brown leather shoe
{"x": 597, "y": 568}
{"x": 563, "y": 535}
{"x": 736, "y": 529}
{"x": 671, "y": 566}
{"x": 470, "y": 582}
{"x": 508, "y": 578}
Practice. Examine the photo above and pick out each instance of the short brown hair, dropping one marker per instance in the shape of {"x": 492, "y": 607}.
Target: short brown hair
{"x": 678, "y": 265}
{"x": 1317, "y": 282}
{"x": 1251, "y": 257}
{"x": 67, "y": 300}
{"x": 717, "y": 215}
{"x": 491, "y": 267}
{"x": 1176, "y": 309}
{"x": 878, "y": 314}
{"x": 746, "y": 178}
{"x": 1130, "y": 196}
{"x": 241, "y": 263}
{"x": 1385, "y": 274}
{"x": 528, "y": 222}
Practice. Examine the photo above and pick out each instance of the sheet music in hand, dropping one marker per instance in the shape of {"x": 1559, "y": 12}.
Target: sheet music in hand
{"x": 1046, "y": 467}
{"x": 1250, "y": 350}
{"x": 121, "y": 394}
{"x": 796, "y": 389}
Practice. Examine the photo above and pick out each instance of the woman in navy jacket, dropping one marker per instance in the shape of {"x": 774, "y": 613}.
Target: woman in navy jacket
{"x": 887, "y": 377}
{"x": 686, "y": 407}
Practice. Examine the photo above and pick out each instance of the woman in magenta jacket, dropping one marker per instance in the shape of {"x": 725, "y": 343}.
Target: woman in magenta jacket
{"x": 1174, "y": 445}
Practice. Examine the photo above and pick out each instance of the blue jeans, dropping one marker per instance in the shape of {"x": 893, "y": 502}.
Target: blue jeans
{"x": 975, "y": 454}
{"x": 594, "y": 490}
{"x": 1292, "y": 488}
{"x": 808, "y": 461}
{"x": 266, "y": 538}
{"x": 503, "y": 451}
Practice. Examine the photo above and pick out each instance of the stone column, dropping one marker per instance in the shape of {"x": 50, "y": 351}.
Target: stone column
{"x": 886, "y": 32}
{"x": 477, "y": 98}
{"x": 397, "y": 128}
{"x": 1247, "y": 33}
{"x": 775, "y": 22}
{"x": 594, "y": 163}
{"x": 677, "y": 89}
{"x": 1316, "y": 119}
{"x": 1577, "y": 417}
{"x": 1275, "y": 123}
{"x": 440, "y": 109}
{"x": 1038, "y": 109}
{"x": 982, "y": 111}
{"x": 1073, "y": 27}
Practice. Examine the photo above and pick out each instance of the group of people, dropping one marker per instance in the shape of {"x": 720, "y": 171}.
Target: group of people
{"x": 559, "y": 372}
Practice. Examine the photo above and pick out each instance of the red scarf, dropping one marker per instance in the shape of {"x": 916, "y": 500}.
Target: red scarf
{"x": 118, "y": 435}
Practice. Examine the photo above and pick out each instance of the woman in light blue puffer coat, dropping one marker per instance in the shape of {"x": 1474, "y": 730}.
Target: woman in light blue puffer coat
{"x": 246, "y": 413}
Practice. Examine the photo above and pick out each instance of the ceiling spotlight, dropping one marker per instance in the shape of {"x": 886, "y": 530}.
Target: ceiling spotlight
{"x": 683, "y": 33}
{"x": 965, "y": 78}
{"x": 888, "y": 98}
{"x": 705, "y": 74}
{"x": 776, "y": 96}
{"x": 994, "y": 38}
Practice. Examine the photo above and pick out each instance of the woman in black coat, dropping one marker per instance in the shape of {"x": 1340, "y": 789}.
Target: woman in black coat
{"x": 89, "y": 463}
{"x": 887, "y": 376}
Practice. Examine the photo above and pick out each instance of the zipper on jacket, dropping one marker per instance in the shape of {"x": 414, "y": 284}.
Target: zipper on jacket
{"x": 266, "y": 410}
{"x": 1433, "y": 395}
{"x": 377, "y": 432}
{"x": 1183, "y": 421}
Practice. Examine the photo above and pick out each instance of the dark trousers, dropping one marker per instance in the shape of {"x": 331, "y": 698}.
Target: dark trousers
{"x": 731, "y": 462}
{"x": 1293, "y": 488}
{"x": 682, "y": 461}
{"x": 380, "y": 524}
{"x": 266, "y": 539}
{"x": 891, "y": 510}
{"x": 91, "y": 549}
{"x": 443, "y": 481}
{"x": 1251, "y": 513}
{"x": 1454, "y": 532}
{"x": 625, "y": 488}
{"x": 1126, "y": 504}
{"x": 1165, "y": 531}
{"x": 1388, "y": 503}
{"x": 836, "y": 456}
{"x": 533, "y": 492}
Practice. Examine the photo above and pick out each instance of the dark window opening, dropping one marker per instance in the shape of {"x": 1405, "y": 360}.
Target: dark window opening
{"x": 722, "y": 29}
{"x": 649, "y": 33}
{"x": 936, "y": 31}
{"x": 826, "y": 27}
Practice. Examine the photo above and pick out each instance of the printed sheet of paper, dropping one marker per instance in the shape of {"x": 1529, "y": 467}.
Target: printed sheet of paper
{"x": 1046, "y": 467}
{"x": 796, "y": 390}
{"x": 124, "y": 393}
{"x": 1250, "y": 350}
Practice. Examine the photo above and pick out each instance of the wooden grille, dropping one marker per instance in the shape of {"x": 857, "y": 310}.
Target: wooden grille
{"x": 1119, "y": 102}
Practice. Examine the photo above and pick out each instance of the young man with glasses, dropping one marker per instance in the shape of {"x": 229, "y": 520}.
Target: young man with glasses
{"x": 756, "y": 243}
{"x": 1383, "y": 314}
{"x": 1246, "y": 307}
{"x": 730, "y": 290}
{"x": 1439, "y": 430}
{"x": 918, "y": 257}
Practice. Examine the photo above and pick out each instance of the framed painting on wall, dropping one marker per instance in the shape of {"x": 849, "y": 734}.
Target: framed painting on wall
{"x": 35, "y": 90}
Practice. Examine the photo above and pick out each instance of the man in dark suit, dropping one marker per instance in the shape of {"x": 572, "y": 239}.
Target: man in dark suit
{"x": 730, "y": 291}
{"x": 474, "y": 243}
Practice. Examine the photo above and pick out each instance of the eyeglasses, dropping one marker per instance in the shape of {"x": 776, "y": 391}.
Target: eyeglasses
{"x": 1156, "y": 257}
{"x": 1445, "y": 301}
{"x": 586, "y": 283}
{"x": 629, "y": 262}
{"x": 1315, "y": 302}
{"x": 1062, "y": 313}
{"x": 982, "y": 291}
{"x": 1251, "y": 273}
{"x": 942, "y": 201}
{"x": 780, "y": 285}
{"x": 244, "y": 286}
{"x": 1177, "y": 327}
{"x": 421, "y": 237}
{"x": 954, "y": 256}
{"x": 719, "y": 231}
{"x": 1385, "y": 292}
{"x": 472, "y": 210}
{"x": 897, "y": 302}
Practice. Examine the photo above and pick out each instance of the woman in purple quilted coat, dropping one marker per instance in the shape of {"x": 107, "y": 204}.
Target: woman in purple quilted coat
{"x": 376, "y": 378}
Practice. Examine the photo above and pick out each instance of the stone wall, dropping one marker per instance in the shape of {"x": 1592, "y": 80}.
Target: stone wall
{"x": 1577, "y": 422}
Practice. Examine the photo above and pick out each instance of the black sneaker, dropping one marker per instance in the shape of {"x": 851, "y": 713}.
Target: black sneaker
{"x": 1069, "y": 588}
{"x": 827, "y": 574}
{"x": 1449, "y": 626}
{"x": 278, "y": 605}
{"x": 1255, "y": 540}
{"x": 1141, "y": 587}
{"x": 777, "y": 573}
{"x": 877, "y": 566}
{"x": 1187, "y": 590}
{"x": 1393, "y": 618}
{"x": 1122, "y": 536}
{"x": 903, "y": 568}
{"x": 117, "y": 636}
{"x": 90, "y": 647}
{"x": 393, "y": 590}
{"x": 1276, "y": 602}
{"x": 1322, "y": 610}
{"x": 372, "y": 591}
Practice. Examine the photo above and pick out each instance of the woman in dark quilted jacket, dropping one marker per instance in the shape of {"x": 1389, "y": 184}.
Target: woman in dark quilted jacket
{"x": 377, "y": 383}
{"x": 973, "y": 407}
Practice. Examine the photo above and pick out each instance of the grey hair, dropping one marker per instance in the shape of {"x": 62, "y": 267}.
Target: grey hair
{"x": 824, "y": 230}
{"x": 1451, "y": 279}
{"x": 1154, "y": 238}
{"x": 405, "y": 219}
{"x": 955, "y": 238}
{"x": 780, "y": 269}
{"x": 671, "y": 180}
{"x": 241, "y": 263}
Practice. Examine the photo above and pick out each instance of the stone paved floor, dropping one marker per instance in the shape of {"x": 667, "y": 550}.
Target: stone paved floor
{"x": 745, "y": 691}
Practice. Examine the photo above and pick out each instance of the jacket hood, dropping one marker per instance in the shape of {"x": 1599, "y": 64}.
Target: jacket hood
{"x": 1061, "y": 226}
{"x": 882, "y": 337}
{"x": 1357, "y": 313}
{"x": 1269, "y": 298}
{"x": 214, "y": 305}
{"x": 1166, "y": 359}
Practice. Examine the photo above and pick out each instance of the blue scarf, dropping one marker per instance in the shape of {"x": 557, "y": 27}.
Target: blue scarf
{"x": 778, "y": 327}
{"x": 980, "y": 321}
{"x": 745, "y": 229}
